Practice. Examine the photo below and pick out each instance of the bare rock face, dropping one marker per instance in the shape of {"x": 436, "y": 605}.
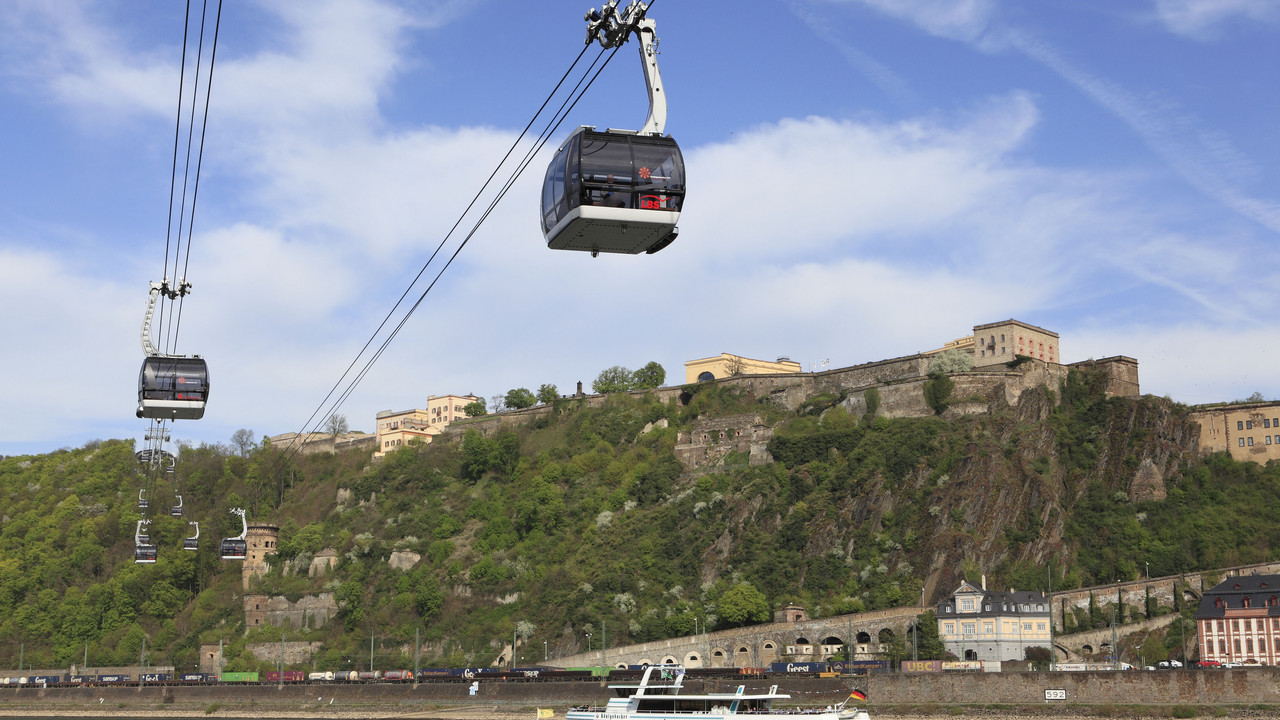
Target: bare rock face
{"x": 1148, "y": 483}
{"x": 403, "y": 559}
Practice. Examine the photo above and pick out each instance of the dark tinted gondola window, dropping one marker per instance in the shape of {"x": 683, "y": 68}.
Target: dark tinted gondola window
{"x": 659, "y": 174}
{"x": 607, "y": 171}
{"x": 553, "y": 192}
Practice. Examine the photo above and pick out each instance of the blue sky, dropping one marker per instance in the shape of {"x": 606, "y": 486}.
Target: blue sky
{"x": 867, "y": 179}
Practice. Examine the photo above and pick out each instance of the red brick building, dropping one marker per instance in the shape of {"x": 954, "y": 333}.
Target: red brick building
{"x": 1239, "y": 621}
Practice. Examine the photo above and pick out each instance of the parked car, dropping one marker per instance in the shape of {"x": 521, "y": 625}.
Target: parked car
{"x": 1208, "y": 664}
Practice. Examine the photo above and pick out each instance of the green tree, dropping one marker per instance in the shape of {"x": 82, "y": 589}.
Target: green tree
{"x": 929, "y": 645}
{"x": 742, "y": 604}
{"x": 477, "y": 453}
{"x": 350, "y": 599}
{"x": 872, "y": 398}
{"x": 937, "y": 391}
{"x": 520, "y": 398}
{"x": 474, "y": 409}
{"x": 548, "y": 394}
{"x": 428, "y": 597}
{"x": 611, "y": 380}
{"x": 651, "y": 375}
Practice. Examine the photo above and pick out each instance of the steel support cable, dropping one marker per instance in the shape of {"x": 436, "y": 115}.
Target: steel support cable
{"x": 456, "y": 224}
{"x": 204, "y": 127}
{"x": 173, "y": 173}
{"x": 552, "y": 127}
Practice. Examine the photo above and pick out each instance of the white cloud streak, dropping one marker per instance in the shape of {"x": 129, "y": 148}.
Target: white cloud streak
{"x": 1204, "y": 19}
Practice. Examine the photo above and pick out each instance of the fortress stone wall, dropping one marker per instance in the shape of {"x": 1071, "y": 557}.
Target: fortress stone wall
{"x": 759, "y": 645}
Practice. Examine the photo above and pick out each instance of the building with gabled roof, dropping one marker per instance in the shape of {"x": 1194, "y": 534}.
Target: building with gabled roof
{"x": 979, "y": 624}
{"x": 1238, "y": 621}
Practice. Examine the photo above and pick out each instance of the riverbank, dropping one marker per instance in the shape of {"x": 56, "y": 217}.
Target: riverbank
{"x": 322, "y": 712}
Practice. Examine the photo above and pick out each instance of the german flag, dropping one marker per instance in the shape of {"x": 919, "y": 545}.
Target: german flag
{"x": 858, "y": 695}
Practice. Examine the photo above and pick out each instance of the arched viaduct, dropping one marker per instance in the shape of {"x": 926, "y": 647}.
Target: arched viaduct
{"x": 870, "y": 634}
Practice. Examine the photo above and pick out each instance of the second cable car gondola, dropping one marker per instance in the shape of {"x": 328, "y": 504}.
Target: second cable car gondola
{"x": 193, "y": 542}
{"x": 236, "y": 548}
{"x": 617, "y": 191}
{"x": 144, "y": 553}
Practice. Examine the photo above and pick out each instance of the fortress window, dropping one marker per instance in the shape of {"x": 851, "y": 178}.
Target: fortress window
{"x": 1266, "y": 422}
{"x": 1239, "y": 424}
{"x": 1241, "y": 442}
{"x": 1250, "y": 442}
{"x": 1268, "y": 439}
{"x": 1248, "y": 424}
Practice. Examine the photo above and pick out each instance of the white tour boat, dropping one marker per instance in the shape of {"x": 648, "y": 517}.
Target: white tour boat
{"x": 658, "y": 696}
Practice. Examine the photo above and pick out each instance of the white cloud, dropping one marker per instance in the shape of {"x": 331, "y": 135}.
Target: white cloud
{"x": 1204, "y": 19}
{"x": 802, "y": 185}
{"x": 1186, "y": 360}
{"x": 963, "y": 20}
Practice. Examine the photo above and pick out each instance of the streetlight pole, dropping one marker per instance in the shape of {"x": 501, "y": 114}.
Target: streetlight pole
{"x": 544, "y": 651}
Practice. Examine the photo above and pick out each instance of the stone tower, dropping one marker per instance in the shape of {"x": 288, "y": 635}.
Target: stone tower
{"x": 261, "y": 540}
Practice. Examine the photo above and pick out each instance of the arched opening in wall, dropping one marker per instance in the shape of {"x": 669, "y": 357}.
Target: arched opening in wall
{"x": 832, "y": 645}
{"x": 670, "y": 660}
{"x": 705, "y": 376}
{"x": 685, "y": 398}
{"x": 864, "y": 638}
{"x": 742, "y": 656}
{"x": 645, "y": 662}
{"x": 620, "y": 666}
{"x": 1086, "y": 649}
{"x": 887, "y": 636}
{"x": 770, "y": 646}
{"x": 970, "y": 654}
{"x": 502, "y": 660}
{"x": 693, "y": 660}
{"x": 802, "y": 641}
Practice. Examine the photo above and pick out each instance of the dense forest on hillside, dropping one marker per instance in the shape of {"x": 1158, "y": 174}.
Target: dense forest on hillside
{"x": 584, "y": 521}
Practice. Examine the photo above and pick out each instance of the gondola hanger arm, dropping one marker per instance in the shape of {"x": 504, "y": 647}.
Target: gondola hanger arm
{"x": 611, "y": 29}
{"x": 159, "y": 288}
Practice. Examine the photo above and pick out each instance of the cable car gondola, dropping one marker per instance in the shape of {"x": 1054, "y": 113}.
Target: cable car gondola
{"x": 193, "y": 542}
{"x": 617, "y": 191}
{"x": 143, "y": 503}
{"x": 235, "y": 548}
{"x": 170, "y": 387}
{"x": 176, "y": 510}
{"x": 144, "y": 553}
{"x": 613, "y": 191}
{"x": 173, "y": 388}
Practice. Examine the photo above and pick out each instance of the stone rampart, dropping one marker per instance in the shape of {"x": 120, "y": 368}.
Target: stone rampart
{"x": 309, "y": 612}
{"x": 759, "y": 645}
{"x": 1133, "y": 594}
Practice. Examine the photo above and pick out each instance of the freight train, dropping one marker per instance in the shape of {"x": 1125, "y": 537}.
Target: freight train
{"x": 530, "y": 674}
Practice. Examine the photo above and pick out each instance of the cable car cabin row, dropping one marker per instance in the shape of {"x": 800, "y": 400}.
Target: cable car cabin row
{"x": 173, "y": 388}
{"x": 145, "y": 554}
{"x": 614, "y": 192}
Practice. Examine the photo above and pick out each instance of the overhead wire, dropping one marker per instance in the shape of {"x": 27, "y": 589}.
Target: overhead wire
{"x": 204, "y": 127}
{"x": 170, "y": 320}
{"x": 558, "y": 118}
